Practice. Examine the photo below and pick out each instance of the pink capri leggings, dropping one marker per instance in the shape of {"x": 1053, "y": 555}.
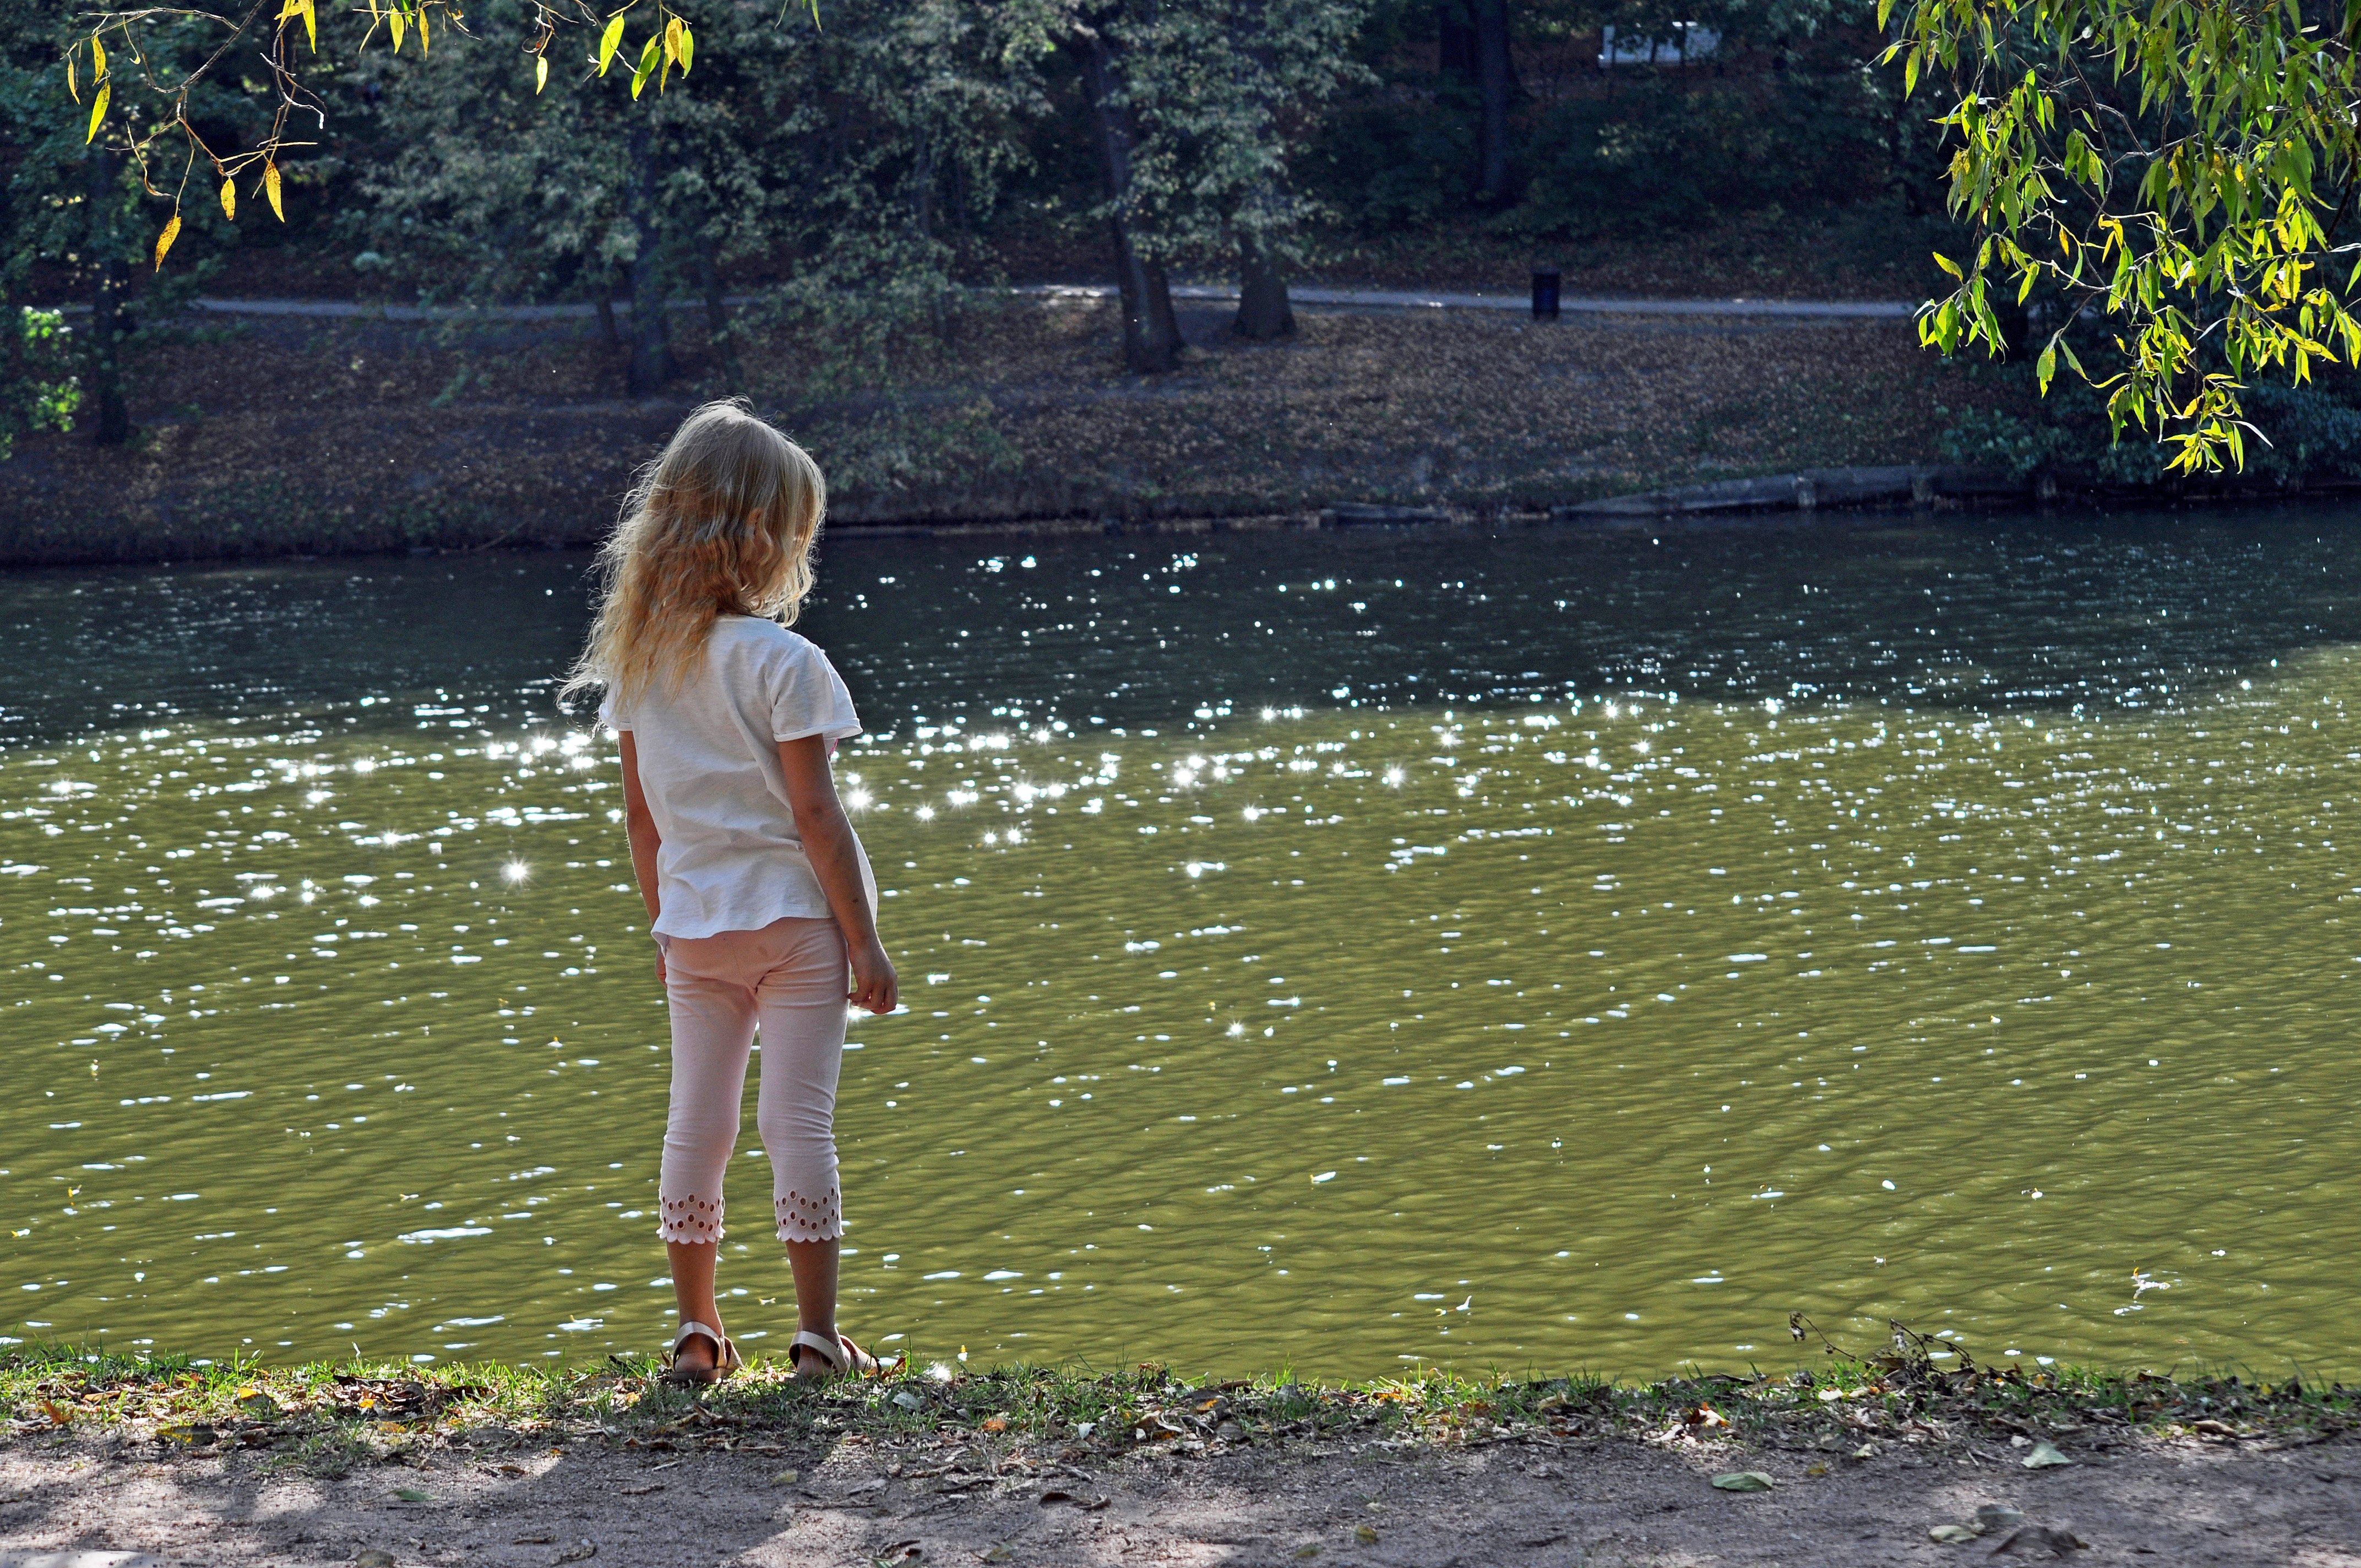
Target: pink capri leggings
{"x": 788, "y": 979}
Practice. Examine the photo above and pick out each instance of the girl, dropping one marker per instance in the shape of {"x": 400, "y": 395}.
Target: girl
{"x": 758, "y": 893}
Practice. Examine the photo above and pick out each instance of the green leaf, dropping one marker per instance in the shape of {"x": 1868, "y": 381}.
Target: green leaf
{"x": 2046, "y": 367}
{"x": 651, "y": 57}
{"x": 1744, "y": 1481}
{"x": 607, "y": 40}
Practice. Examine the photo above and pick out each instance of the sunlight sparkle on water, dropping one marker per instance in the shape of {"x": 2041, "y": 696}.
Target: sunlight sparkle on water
{"x": 1627, "y": 1043}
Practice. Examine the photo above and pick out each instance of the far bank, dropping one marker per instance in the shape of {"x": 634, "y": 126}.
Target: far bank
{"x": 294, "y": 436}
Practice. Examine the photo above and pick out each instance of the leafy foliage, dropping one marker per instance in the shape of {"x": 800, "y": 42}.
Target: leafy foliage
{"x": 2181, "y": 170}
{"x": 173, "y": 61}
{"x": 39, "y": 390}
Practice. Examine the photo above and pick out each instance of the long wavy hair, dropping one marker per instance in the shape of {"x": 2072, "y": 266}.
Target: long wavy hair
{"x": 721, "y": 524}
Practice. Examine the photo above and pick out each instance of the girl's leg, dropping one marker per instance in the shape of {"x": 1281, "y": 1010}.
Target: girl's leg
{"x": 803, "y": 1013}
{"x": 712, "y": 1028}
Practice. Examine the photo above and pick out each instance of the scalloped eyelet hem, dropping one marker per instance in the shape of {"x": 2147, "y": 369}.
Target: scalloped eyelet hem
{"x": 691, "y": 1220}
{"x": 802, "y": 1218}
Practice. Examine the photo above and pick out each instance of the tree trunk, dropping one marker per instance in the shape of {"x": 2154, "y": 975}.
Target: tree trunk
{"x": 651, "y": 365}
{"x": 110, "y": 285}
{"x": 1455, "y": 37}
{"x": 603, "y": 296}
{"x": 717, "y": 316}
{"x": 1263, "y": 310}
{"x": 1151, "y": 335}
{"x": 1497, "y": 77}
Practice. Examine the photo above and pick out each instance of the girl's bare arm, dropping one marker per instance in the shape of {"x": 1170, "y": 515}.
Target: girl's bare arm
{"x": 828, "y": 845}
{"x": 640, "y": 829}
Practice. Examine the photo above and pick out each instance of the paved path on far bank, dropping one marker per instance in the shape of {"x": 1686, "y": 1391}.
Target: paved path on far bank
{"x": 1306, "y": 295}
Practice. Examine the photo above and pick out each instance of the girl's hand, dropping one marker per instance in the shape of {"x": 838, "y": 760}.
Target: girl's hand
{"x": 874, "y": 985}
{"x": 661, "y": 977}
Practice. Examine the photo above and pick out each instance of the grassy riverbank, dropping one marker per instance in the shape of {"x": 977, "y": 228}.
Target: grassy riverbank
{"x": 327, "y": 1417}
{"x": 290, "y": 436}
{"x": 1844, "y": 1465}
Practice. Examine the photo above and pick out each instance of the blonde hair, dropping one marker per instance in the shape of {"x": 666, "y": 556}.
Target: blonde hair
{"x": 721, "y": 524}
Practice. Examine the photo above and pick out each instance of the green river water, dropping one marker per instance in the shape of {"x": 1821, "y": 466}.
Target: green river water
{"x": 1520, "y": 949}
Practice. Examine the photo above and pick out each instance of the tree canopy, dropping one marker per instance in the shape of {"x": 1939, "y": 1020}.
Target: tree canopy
{"x": 2168, "y": 184}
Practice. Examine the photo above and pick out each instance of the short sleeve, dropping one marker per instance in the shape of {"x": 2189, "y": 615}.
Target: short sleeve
{"x": 808, "y": 697}
{"x": 611, "y": 712}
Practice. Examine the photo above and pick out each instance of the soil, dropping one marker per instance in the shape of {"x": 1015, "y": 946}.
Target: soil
{"x": 289, "y": 435}
{"x": 1553, "y": 1503}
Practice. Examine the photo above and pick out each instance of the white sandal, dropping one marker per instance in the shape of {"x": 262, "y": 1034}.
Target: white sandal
{"x": 844, "y": 1358}
{"x": 725, "y": 1357}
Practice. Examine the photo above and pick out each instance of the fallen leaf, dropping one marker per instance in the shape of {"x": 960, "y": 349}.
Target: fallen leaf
{"x": 580, "y": 1552}
{"x": 787, "y": 1477}
{"x": 1087, "y": 1503}
{"x": 1303, "y": 1551}
{"x": 1817, "y": 1471}
{"x": 1744, "y": 1481}
{"x": 1366, "y": 1534}
{"x": 997, "y": 1553}
{"x": 2044, "y": 1456}
{"x": 642, "y": 1489}
{"x": 374, "y": 1557}
{"x": 996, "y": 1423}
{"x": 1951, "y": 1534}
{"x": 412, "y": 1495}
{"x": 512, "y": 1469}
{"x": 532, "y": 1541}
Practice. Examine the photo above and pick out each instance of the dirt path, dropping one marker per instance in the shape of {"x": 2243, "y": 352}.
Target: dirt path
{"x": 1551, "y": 1504}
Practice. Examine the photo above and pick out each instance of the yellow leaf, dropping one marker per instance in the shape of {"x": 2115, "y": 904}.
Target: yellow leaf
{"x": 673, "y": 30}
{"x": 271, "y": 189}
{"x": 607, "y": 40}
{"x": 97, "y": 59}
{"x": 688, "y": 47}
{"x": 97, "y": 112}
{"x": 164, "y": 241}
{"x": 424, "y": 40}
{"x": 400, "y": 24}
{"x": 311, "y": 25}
{"x": 73, "y": 90}
{"x": 540, "y": 73}
{"x": 229, "y": 200}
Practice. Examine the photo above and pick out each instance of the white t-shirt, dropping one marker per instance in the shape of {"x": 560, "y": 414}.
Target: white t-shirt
{"x": 729, "y": 857}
